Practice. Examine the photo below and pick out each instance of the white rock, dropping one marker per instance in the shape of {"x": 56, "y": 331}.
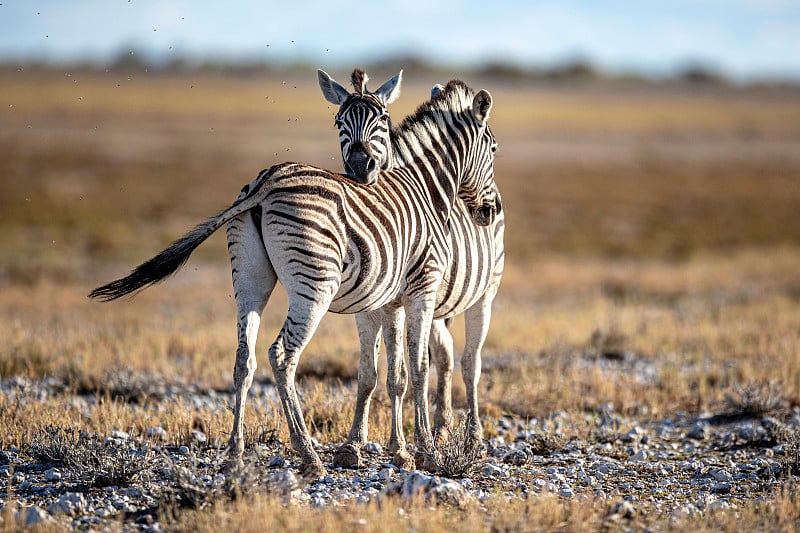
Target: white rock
{"x": 432, "y": 488}
{"x": 604, "y": 468}
{"x": 638, "y": 457}
{"x": 33, "y": 516}
{"x": 416, "y": 483}
{"x": 721, "y": 475}
{"x": 156, "y": 432}
{"x": 120, "y": 435}
{"x": 71, "y": 503}
{"x": 621, "y": 509}
{"x": 722, "y": 487}
{"x": 285, "y": 483}
{"x": 373, "y": 448}
{"x": 490, "y": 470}
{"x": 276, "y": 461}
{"x": 566, "y": 492}
{"x": 634, "y": 435}
{"x": 52, "y": 475}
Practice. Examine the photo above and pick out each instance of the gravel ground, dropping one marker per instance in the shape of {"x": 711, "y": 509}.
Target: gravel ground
{"x": 680, "y": 465}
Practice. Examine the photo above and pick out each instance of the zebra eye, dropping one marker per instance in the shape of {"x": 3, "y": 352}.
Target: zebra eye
{"x": 337, "y": 121}
{"x": 385, "y": 117}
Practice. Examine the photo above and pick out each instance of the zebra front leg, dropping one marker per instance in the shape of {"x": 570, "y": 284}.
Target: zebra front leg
{"x": 393, "y": 319}
{"x": 253, "y": 281}
{"x": 440, "y": 349}
{"x": 284, "y": 354}
{"x": 477, "y": 320}
{"x": 419, "y": 322}
{"x": 348, "y": 455}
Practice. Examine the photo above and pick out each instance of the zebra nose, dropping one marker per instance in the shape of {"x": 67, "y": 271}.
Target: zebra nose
{"x": 361, "y": 167}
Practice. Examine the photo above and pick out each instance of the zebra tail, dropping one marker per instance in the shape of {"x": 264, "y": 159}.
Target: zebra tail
{"x": 168, "y": 261}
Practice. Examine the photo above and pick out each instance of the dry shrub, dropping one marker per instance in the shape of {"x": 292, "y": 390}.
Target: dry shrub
{"x": 456, "y": 455}
{"x": 190, "y": 491}
{"x": 755, "y": 399}
{"x": 104, "y": 462}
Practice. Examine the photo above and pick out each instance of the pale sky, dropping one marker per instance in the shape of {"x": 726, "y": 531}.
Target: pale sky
{"x": 742, "y": 38}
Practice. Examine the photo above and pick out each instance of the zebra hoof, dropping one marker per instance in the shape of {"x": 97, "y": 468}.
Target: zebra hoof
{"x": 402, "y": 459}
{"x": 312, "y": 470}
{"x": 347, "y": 456}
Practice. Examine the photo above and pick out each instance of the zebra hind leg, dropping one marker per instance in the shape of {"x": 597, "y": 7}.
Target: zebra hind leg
{"x": 284, "y": 355}
{"x": 477, "y": 320}
{"x": 253, "y": 281}
{"x": 348, "y": 455}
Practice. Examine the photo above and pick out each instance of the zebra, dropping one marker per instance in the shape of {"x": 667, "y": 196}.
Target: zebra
{"x": 344, "y": 247}
{"x": 470, "y": 283}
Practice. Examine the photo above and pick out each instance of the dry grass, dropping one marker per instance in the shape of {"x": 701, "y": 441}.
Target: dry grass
{"x": 652, "y": 263}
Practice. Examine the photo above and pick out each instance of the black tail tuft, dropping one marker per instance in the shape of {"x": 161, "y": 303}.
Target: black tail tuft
{"x": 159, "y": 267}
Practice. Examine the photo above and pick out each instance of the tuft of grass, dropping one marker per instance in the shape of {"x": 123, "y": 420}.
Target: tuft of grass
{"x": 57, "y": 446}
{"x": 790, "y": 439}
{"x": 545, "y": 443}
{"x": 755, "y": 399}
{"x": 191, "y": 490}
{"x": 103, "y": 462}
{"x": 456, "y": 455}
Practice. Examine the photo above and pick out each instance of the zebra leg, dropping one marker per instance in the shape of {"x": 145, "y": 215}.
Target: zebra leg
{"x": 396, "y": 382}
{"x": 284, "y": 354}
{"x": 440, "y": 348}
{"x": 369, "y": 328}
{"x": 477, "y": 320}
{"x": 419, "y": 330}
{"x": 253, "y": 281}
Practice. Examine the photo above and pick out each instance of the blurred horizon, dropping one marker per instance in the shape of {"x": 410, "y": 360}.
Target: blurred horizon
{"x": 741, "y": 41}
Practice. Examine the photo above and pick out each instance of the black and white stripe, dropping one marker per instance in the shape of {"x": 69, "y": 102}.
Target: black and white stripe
{"x": 469, "y": 285}
{"x": 349, "y": 248}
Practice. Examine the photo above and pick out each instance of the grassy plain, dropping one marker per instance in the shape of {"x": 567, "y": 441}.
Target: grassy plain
{"x": 659, "y": 222}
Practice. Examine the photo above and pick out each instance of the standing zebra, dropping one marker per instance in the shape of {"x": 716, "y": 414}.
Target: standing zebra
{"x": 340, "y": 246}
{"x": 470, "y": 282}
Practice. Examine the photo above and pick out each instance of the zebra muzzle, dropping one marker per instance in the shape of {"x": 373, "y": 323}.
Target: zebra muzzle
{"x": 361, "y": 168}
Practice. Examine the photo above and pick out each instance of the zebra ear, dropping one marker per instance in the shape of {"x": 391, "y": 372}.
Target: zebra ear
{"x": 390, "y": 91}
{"x": 331, "y": 90}
{"x": 482, "y": 105}
{"x": 436, "y": 89}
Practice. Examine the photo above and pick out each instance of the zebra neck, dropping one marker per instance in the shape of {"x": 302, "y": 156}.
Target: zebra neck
{"x": 432, "y": 162}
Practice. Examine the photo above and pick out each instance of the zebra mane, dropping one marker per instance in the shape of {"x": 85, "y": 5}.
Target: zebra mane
{"x": 454, "y": 98}
{"x": 359, "y": 80}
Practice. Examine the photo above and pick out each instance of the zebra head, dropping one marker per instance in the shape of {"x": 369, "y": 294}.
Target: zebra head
{"x": 477, "y": 190}
{"x": 363, "y": 122}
